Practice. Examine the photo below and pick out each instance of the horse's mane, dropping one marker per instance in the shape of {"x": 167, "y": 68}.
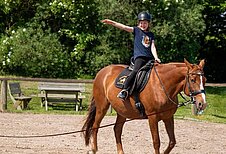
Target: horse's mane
{"x": 171, "y": 66}
{"x": 177, "y": 64}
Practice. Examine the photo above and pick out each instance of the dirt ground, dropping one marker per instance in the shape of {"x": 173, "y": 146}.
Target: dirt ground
{"x": 193, "y": 137}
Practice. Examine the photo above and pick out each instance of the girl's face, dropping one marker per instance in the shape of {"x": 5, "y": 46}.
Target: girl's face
{"x": 143, "y": 25}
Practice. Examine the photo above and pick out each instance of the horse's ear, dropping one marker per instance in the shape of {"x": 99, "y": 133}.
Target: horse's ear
{"x": 187, "y": 64}
{"x": 202, "y": 63}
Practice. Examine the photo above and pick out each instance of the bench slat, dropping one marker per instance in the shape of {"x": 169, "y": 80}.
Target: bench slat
{"x": 61, "y": 96}
{"x": 62, "y": 86}
{"x": 61, "y": 92}
{"x": 62, "y": 100}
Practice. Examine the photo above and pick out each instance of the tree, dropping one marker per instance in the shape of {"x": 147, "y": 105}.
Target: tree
{"x": 115, "y": 45}
{"x": 33, "y": 52}
{"x": 71, "y": 22}
{"x": 75, "y": 29}
{"x": 177, "y": 26}
{"x": 214, "y": 40}
{"x": 14, "y": 13}
{"x": 75, "y": 22}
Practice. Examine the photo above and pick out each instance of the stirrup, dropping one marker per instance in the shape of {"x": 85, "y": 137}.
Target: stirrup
{"x": 123, "y": 94}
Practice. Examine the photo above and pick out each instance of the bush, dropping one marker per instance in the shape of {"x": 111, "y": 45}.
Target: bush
{"x": 33, "y": 52}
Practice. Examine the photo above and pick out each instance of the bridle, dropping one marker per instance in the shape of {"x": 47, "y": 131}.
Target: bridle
{"x": 193, "y": 93}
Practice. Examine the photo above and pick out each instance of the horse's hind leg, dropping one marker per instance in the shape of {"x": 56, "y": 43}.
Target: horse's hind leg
{"x": 169, "y": 124}
{"x": 100, "y": 113}
{"x": 118, "y": 132}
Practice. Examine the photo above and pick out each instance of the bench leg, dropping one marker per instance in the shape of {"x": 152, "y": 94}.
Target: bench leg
{"x": 46, "y": 105}
{"x": 76, "y": 107}
{"x": 17, "y": 105}
{"x": 80, "y": 104}
{"x": 42, "y": 102}
{"x": 25, "y": 103}
{"x": 21, "y": 104}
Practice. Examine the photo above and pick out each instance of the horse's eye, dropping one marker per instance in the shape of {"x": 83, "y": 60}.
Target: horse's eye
{"x": 193, "y": 80}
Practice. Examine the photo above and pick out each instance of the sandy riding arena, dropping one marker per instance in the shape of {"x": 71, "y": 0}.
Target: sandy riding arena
{"x": 192, "y": 136}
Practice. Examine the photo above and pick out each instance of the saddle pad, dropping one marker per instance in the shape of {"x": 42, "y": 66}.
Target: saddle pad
{"x": 120, "y": 80}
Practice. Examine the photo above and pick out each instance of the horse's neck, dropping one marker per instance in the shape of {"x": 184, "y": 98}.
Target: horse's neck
{"x": 173, "y": 77}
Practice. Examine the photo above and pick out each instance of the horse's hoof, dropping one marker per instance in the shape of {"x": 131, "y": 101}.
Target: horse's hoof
{"x": 91, "y": 152}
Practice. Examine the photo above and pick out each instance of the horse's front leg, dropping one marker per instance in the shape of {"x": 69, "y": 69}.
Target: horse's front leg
{"x": 153, "y": 124}
{"x": 118, "y": 132}
{"x": 169, "y": 124}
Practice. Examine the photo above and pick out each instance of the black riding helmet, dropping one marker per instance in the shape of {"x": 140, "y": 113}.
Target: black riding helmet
{"x": 144, "y": 16}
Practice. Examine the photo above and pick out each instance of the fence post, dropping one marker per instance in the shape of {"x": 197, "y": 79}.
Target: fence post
{"x": 193, "y": 109}
{"x": 3, "y": 102}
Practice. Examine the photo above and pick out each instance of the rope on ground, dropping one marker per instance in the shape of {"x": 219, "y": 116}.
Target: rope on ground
{"x": 74, "y": 132}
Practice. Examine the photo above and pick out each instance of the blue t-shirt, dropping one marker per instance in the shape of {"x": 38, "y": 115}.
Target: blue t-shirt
{"x": 142, "y": 43}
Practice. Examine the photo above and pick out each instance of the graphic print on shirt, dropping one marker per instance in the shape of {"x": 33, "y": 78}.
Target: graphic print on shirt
{"x": 146, "y": 41}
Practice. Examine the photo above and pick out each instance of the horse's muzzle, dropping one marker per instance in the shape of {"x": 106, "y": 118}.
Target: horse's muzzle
{"x": 200, "y": 104}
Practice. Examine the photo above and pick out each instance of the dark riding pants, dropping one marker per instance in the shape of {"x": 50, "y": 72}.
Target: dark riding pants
{"x": 138, "y": 63}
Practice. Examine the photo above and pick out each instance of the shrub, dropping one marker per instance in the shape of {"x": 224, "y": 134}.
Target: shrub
{"x": 33, "y": 52}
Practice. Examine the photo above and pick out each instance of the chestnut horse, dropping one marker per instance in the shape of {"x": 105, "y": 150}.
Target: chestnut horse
{"x": 159, "y": 99}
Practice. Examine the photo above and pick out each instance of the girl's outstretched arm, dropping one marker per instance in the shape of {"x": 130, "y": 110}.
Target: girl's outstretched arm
{"x": 118, "y": 25}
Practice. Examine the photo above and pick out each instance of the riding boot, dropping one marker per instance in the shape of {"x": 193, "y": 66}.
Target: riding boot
{"x": 123, "y": 94}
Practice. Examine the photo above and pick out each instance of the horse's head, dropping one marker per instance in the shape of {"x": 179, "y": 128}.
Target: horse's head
{"x": 194, "y": 86}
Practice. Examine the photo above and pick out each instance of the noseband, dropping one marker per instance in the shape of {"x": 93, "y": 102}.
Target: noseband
{"x": 193, "y": 93}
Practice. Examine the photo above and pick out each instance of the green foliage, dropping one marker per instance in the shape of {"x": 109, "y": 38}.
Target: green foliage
{"x": 85, "y": 45}
{"x": 177, "y": 26}
{"x": 14, "y": 13}
{"x": 76, "y": 24}
{"x": 32, "y": 52}
{"x": 115, "y": 44}
{"x": 214, "y": 40}
{"x": 70, "y": 22}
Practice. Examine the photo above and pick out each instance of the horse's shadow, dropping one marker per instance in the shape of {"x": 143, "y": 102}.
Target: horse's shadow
{"x": 219, "y": 116}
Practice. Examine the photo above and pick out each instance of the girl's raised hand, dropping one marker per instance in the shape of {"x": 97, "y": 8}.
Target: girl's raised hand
{"x": 107, "y": 21}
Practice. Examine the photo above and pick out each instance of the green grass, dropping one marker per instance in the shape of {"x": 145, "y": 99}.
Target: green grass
{"x": 215, "y": 111}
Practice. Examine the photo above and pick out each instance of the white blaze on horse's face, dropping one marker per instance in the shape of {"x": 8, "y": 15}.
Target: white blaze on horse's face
{"x": 200, "y": 96}
{"x": 202, "y": 88}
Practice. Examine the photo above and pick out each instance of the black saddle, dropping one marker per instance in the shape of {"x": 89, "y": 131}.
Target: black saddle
{"x": 139, "y": 84}
{"x": 141, "y": 78}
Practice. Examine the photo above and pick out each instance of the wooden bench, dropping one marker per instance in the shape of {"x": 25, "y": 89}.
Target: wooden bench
{"x": 19, "y": 100}
{"x": 54, "y": 92}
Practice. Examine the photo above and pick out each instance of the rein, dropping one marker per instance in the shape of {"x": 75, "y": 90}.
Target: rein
{"x": 167, "y": 95}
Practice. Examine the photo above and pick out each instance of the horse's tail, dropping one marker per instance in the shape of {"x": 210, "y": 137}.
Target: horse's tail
{"x": 87, "y": 127}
